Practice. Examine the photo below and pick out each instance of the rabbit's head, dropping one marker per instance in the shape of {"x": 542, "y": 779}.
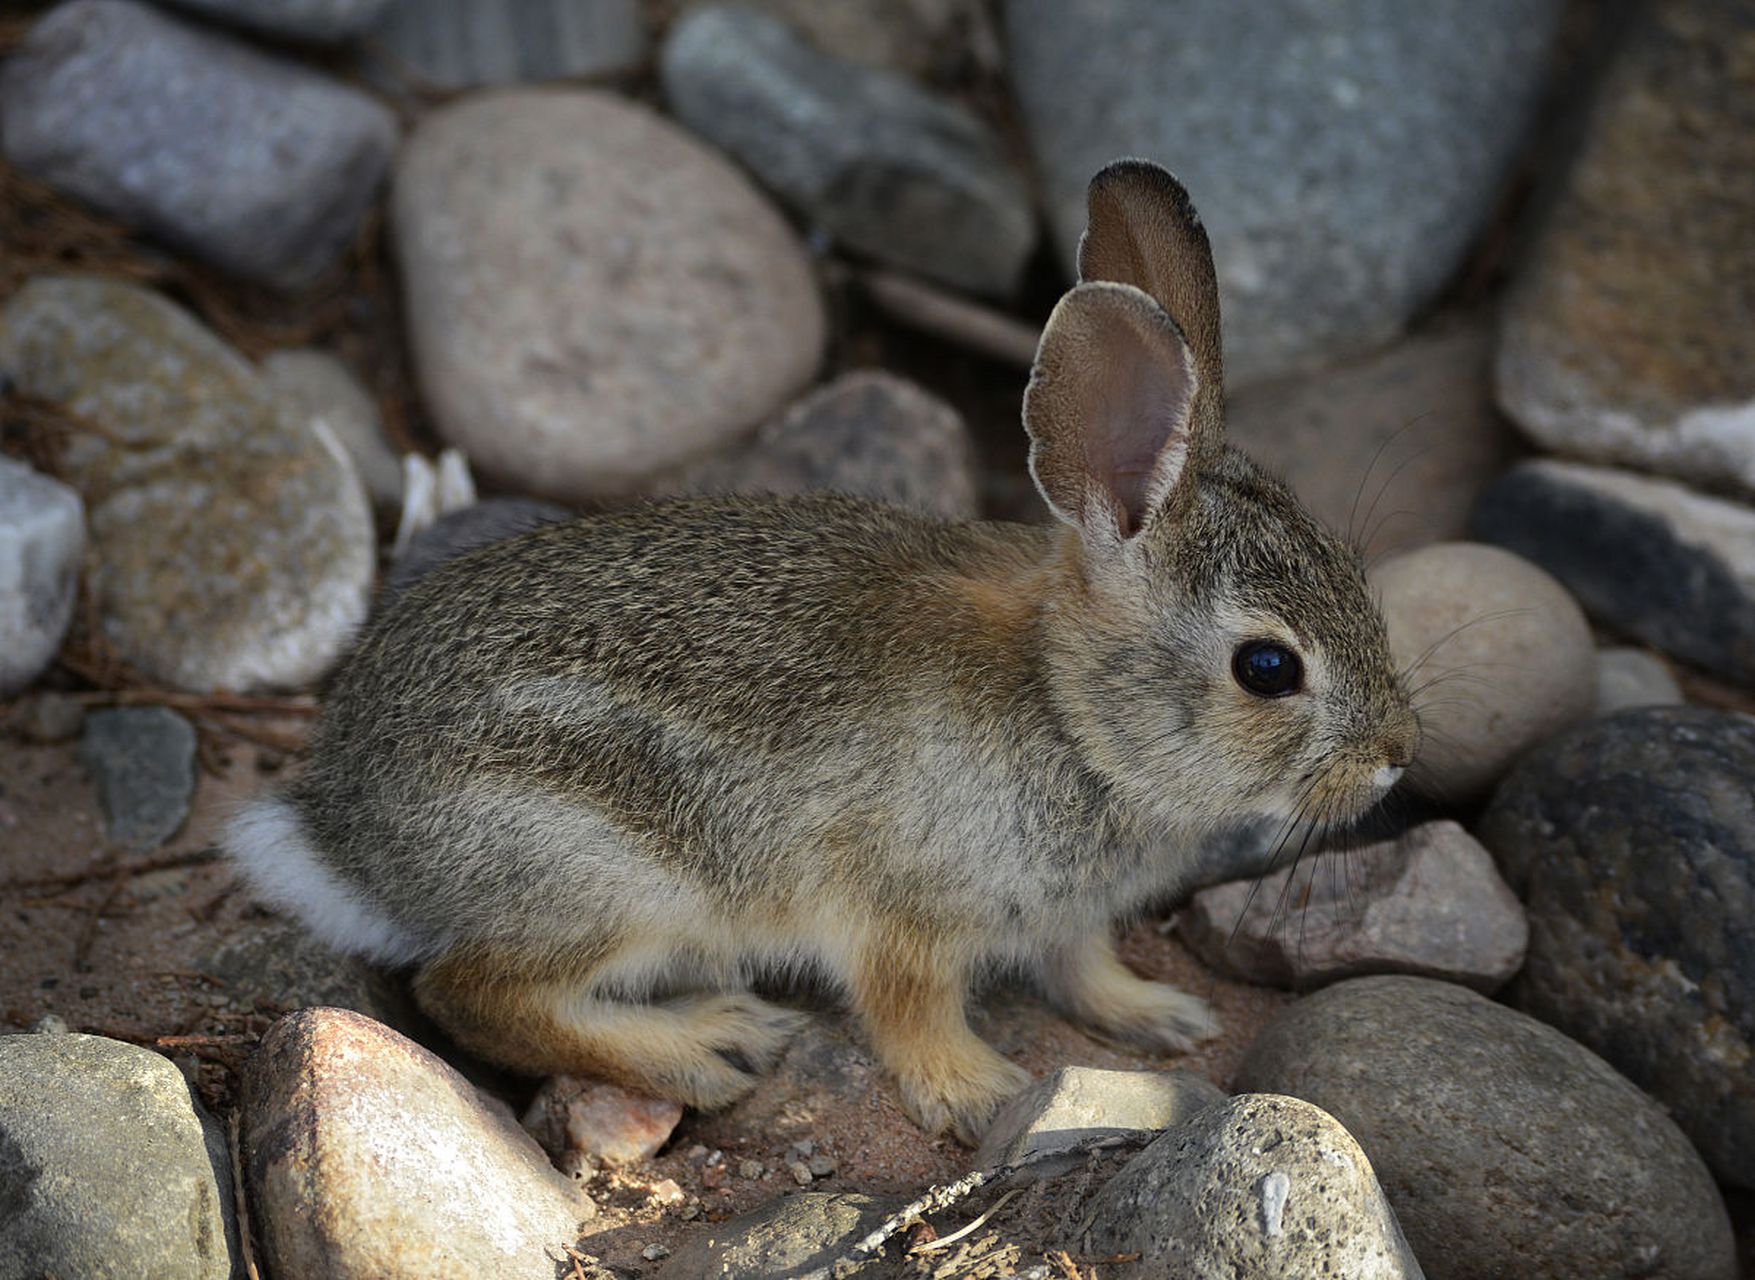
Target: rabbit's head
{"x": 1216, "y": 653}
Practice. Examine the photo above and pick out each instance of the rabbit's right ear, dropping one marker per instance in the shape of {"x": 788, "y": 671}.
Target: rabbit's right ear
{"x": 1110, "y": 411}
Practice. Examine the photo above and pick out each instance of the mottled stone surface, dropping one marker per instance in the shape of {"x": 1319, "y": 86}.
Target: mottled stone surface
{"x": 1257, "y": 1185}
{"x": 1632, "y": 839}
{"x": 1390, "y": 448}
{"x": 512, "y": 207}
{"x": 229, "y": 543}
{"x": 108, "y": 1165}
{"x": 255, "y": 164}
{"x": 271, "y": 964}
{"x": 1343, "y": 155}
{"x": 918, "y": 37}
{"x": 296, "y": 19}
{"x": 890, "y": 169}
{"x": 1630, "y": 336}
{"x": 450, "y": 536}
{"x": 367, "y": 1156}
{"x": 1429, "y": 902}
{"x": 579, "y": 1118}
{"x": 142, "y": 760}
{"x": 42, "y": 538}
{"x": 1079, "y": 1105}
{"x": 1498, "y": 656}
{"x": 1506, "y": 1149}
{"x": 460, "y": 44}
{"x": 868, "y": 433}
{"x": 1653, "y": 559}
{"x": 1629, "y": 677}
{"x": 790, "y": 1237}
{"x": 315, "y": 385}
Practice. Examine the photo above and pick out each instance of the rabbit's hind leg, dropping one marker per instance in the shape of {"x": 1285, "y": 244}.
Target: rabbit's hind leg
{"x": 549, "y": 1015}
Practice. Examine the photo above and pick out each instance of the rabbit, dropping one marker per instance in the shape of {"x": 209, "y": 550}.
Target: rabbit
{"x": 590, "y": 782}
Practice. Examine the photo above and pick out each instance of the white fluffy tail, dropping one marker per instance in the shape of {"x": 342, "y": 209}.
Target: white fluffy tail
{"x": 268, "y": 842}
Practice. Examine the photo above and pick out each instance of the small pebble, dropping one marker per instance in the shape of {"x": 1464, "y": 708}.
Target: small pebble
{"x": 822, "y": 1166}
{"x": 653, "y": 1252}
{"x": 750, "y": 1169}
{"x": 696, "y": 1154}
{"x": 666, "y": 1191}
{"x": 46, "y": 717}
{"x": 800, "y": 1173}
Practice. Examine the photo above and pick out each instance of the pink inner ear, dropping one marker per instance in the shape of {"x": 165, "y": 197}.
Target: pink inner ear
{"x": 1137, "y": 444}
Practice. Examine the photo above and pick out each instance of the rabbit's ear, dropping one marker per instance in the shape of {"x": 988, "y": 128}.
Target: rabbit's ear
{"x": 1142, "y": 230}
{"x": 1109, "y": 410}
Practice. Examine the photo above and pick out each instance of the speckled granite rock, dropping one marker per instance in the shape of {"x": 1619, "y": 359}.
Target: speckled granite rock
{"x": 258, "y": 165}
{"x": 1506, "y": 1149}
{"x": 109, "y": 1165}
{"x": 1630, "y": 335}
{"x": 297, "y": 19}
{"x": 42, "y": 537}
{"x": 868, "y": 433}
{"x": 459, "y": 44}
{"x": 1257, "y": 1185}
{"x": 888, "y": 168}
{"x": 229, "y": 544}
{"x": 142, "y": 760}
{"x": 1344, "y": 155}
{"x": 1633, "y": 841}
{"x": 1430, "y": 902}
{"x": 1651, "y": 558}
{"x": 704, "y": 317}
{"x": 789, "y": 1237}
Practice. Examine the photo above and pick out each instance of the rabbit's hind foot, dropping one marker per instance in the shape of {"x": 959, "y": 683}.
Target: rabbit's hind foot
{"x": 704, "y": 1050}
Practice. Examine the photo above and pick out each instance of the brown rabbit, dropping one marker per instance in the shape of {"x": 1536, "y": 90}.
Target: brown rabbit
{"x": 594, "y": 779}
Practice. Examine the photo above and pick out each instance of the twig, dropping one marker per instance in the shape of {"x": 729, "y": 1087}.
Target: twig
{"x": 944, "y": 315}
{"x": 198, "y": 703}
{"x": 240, "y": 1202}
{"x": 89, "y": 931}
{"x": 108, "y": 867}
{"x": 945, "y": 1242}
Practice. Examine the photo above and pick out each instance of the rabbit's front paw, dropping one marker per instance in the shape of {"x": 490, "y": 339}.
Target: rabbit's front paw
{"x": 959, "y": 1090}
{"x": 1154, "y": 1015}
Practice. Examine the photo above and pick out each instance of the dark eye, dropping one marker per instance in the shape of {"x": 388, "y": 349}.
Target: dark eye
{"x": 1266, "y": 669}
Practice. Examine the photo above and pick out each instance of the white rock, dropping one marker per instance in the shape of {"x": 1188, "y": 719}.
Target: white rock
{"x": 318, "y": 385}
{"x": 42, "y": 536}
{"x": 1629, "y": 677}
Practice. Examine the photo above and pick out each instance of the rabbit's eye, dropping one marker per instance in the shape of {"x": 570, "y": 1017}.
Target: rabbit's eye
{"x": 1266, "y": 669}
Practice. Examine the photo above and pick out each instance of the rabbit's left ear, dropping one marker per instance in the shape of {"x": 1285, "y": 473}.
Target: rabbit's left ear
{"x": 1142, "y": 230}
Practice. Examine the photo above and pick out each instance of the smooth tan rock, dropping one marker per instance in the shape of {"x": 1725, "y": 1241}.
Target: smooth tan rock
{"x": 318, "y": 385}
{"x": 1630, "y": 677}
{"x": 367, "y": 1156}
{"x": 593, "y": 295}
{"x": 1498, "y": 656}
{"x": 229, "y": 544}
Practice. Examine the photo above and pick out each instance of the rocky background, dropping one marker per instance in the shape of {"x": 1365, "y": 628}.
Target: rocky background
{"x": 298, "y": 297}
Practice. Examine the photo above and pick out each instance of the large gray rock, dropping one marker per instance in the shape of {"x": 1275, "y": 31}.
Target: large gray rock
{"x": 1390, "y": 448}
{"x": 229, "y": 543}
{"x": 142, "y": 760}
{"x": 1632, "y": 839}
{"x": 703, "y": 316}
{"x": 1429, "y": 902}
{"x": 460, "y": 44}
{"x": 322, "y": 20}
{"x": 1506, "y": 1149}
{"x": 257, "y": 165}
{"x": 868, "y": 433}
{"x": 367, "y": 1156}
{"x": 890, "y": 169}
{"x": 318, "y": 385}
{"x": 42, "y": 537}
{"x": 1076, "y": 1106}
{"x": 1496, "y": 653}
{"x": 1626, "y": 337}
{"x": 1652, "y": 559}
{"x": 790, "y": 1237}
{"x": 1344, "y": 155}
{"x": 917, "y": 37}
{"x": 108, "y": 1165}
{"x": 1254, "y": 1186}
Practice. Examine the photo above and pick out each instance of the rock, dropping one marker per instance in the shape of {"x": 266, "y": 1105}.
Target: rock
{"x": 460, "y": 44}
{"x": 585, "y": 1118}
{"x": 42, "y": 536}
{"x": 790, "y": 1237}
{"x": 1628, "y": 677}
{"x": 450, "y": 536}
{"x": 1253, "y": 1186}
{"x": 46, "y": 717}
{"x": 1344, "y": 156}
{"x": 1078, "y": 1105}
{"x": 1430, "y": 902}
{"x": 108, "y": 1165}
{"x": 1632, "y": 839}
{"x": 511, "y": 207}
{"x": 1626, "y": 338}
{"x": 1391, "y": 448}
{"x": 1497, "y": 655}
{"x": 1506, "y": 1148}
{"x": 317, "y": 385}
{"x": 142, "y": 760}
{"x": 888, "y": 168}
{"x": 368, "y": 1156}
{"x": 868, "y": 433}
{"x": 254, "y": 164}
{"x": 275, "y": 965}
{"x": 915, "y": 37}
{"x": 1650, "y": 558}
{"x": 319, "y": 20}
{"x": 229, "y": 543}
